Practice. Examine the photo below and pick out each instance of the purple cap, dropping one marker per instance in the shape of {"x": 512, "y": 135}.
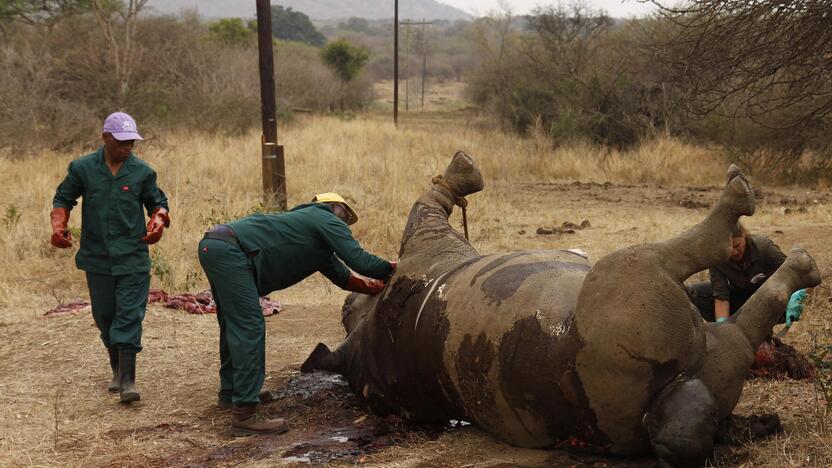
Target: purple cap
{"x": 121, "y": 126}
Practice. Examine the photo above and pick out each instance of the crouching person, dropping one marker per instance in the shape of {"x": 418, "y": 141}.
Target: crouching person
{"x": 115, "y": 186}
{"x": 261, "y": 253}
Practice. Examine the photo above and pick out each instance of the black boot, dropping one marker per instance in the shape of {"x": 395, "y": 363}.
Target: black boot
{"x": 127, "y": 376}
{"x": 115, "y": 383}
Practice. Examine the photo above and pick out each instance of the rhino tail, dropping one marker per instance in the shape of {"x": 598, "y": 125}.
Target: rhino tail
{"x": 321, "y": 359}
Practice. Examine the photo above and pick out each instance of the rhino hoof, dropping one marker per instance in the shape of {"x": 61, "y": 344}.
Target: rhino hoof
{"x": 739, "y": 194}
{"x": 804, "y": 266}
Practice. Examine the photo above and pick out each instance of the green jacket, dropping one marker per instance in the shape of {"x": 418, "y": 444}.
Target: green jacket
{"x": 290, "y": 246}
{"x": 112, "y": 221}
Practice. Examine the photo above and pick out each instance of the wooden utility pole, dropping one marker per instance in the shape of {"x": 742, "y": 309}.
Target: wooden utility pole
{"x": 422, "y": 23}
{"x": 424, "y": 61}
{"x": 274, "y": 171}
{"x": 407, "y": 69}
{"x": 396, "y": 64}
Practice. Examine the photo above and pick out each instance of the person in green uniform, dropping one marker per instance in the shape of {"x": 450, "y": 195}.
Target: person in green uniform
{"x": 754, "y": 258}
{"x": 115, "y": 186}
{"x": 261, "y": 253}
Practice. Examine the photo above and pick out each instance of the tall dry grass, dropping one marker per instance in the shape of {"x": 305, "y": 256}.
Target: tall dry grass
{"x": 214, "y": 178}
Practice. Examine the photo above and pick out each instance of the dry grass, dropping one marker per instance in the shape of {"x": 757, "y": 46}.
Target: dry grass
{"x": 54, "y": 410}
{"x": 211, "y": 178}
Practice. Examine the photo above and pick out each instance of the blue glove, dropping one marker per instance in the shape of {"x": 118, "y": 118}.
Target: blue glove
{"x": 721, "y": 319}
{"x": 795, "y": 307}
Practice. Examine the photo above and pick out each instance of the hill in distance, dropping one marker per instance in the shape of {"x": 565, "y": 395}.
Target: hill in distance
{"x": 320, "y": 10}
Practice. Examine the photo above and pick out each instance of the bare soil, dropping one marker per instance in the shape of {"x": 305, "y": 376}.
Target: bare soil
{"x": 55, "y": 409}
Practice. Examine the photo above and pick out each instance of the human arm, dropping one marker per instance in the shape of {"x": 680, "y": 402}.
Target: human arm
{"x": 722, "y": 310}
{"x": 66, "y": 197}
{"x": 338, "y": 237}
{"x": 341, "y": 276}
{"x": 721, "y": 294}
{"x": 156, "y": 203}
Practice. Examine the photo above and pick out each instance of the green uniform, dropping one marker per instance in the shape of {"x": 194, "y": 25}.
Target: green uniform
{"x": 112, "y": 225}
{"x": 275, "y": 251}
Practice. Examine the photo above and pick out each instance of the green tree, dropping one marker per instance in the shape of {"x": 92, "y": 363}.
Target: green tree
{"x": 346, "y": 60}
{"x": 232, "y": 31}
{"x": 291, "y": 25}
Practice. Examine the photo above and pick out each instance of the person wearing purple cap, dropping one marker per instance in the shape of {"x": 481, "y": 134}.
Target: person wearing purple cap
{"x": 115, "y": 185}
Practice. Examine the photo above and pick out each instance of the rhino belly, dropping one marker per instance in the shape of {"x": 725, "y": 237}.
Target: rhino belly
{"x": 491, "y": 342}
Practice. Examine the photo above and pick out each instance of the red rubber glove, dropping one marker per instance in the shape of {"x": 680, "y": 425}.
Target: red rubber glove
{"x": 159, "y": 220}
{"x": 363, "y": 285}
{"x": 394, "y": 264}
{"x": 61, "y": 237}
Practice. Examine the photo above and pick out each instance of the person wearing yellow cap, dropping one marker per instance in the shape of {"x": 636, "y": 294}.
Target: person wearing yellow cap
{"x": 261, "y": 253}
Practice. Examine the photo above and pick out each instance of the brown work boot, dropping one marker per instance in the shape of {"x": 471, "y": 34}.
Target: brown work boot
{"x": 245, "y": 422}
{"x": 224, "y": 405}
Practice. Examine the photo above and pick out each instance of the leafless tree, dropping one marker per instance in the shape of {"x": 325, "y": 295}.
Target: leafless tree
{"x": 122, "y": 50}
{"x": 769, "y": 61}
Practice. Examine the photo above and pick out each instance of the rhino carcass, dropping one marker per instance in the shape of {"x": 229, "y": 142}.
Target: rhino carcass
{"x": 539, "y": 347}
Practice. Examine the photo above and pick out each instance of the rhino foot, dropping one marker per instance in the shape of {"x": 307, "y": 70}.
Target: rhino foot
{"x": 805, "y": 270}
{"x": 321, "y": 359}
{"x": 738, "y": 194}
{"x": 463, "y": 175}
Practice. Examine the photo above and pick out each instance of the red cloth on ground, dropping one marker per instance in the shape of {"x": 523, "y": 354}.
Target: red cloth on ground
{"x": 199, "y": 303}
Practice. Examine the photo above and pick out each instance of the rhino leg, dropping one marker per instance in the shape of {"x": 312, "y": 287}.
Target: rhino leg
{"x": 429, "y": 243}
{"x": 761, "y": 312}
{"x": 681, "y": 423}
{"x": 640, "y": 328}
{"x": 731, "y": 345}
{"x": 708, "y": 243}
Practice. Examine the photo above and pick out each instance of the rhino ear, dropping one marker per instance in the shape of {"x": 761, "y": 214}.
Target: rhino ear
{"x": 320, "y": 359}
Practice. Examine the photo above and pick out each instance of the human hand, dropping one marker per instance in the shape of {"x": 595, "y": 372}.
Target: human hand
{"x": 795, "y": 307}
{"x": 159, "y": 220}
{"x": 61, "y": 237}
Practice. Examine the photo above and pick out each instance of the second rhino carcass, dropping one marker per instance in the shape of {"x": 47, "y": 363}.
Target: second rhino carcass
{"x": 540, "y": 347}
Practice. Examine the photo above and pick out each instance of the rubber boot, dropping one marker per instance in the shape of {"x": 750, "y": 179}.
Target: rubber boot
{"x": 245, "y": 422}
{"x": 115, "y": 382}
{"x": 127, "y": 376}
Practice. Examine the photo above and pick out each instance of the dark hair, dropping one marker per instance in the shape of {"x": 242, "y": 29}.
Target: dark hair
{"x": 739, "y": 230}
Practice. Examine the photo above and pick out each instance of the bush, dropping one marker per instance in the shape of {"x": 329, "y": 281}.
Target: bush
{"x": 57, "y": 88}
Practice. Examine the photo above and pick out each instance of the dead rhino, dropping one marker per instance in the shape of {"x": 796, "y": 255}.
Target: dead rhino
{"x": 540, "y": 347}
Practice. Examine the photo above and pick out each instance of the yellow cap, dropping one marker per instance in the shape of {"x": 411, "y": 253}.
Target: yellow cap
{"x": 332, "y": 197}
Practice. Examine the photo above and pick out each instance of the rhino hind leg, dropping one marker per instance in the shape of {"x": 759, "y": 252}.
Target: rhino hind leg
{"x": 762, "y": 311}
{"x": 463, "y": 176}
{"x": 708, "y": 243}
{"x": 682, "y": 423}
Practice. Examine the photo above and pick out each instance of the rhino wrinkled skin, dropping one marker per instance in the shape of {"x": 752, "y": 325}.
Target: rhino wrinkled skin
{"x": 539, "y": 348}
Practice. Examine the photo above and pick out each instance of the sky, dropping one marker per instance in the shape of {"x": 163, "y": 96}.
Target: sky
{"x": 615, "y": 8}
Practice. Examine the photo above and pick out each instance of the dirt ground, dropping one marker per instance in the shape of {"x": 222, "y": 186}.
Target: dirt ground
{"x": 55, "y": 409}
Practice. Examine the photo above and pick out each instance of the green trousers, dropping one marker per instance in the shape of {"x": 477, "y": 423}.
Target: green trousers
{"x": 242, "y": 327}
{"x": 118, "y": 307}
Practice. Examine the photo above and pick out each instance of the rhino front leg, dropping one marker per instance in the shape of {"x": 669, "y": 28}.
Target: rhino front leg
{"x": 731, "y": 345}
